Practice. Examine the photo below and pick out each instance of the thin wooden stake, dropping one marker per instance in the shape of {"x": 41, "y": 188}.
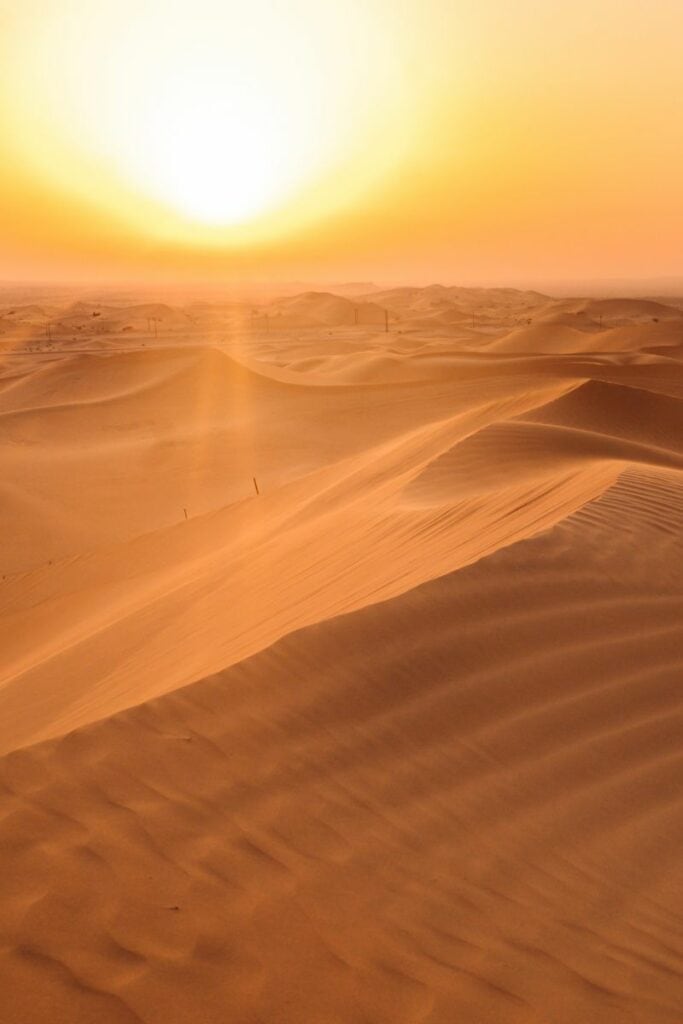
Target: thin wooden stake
{"x": 255, "y": 485}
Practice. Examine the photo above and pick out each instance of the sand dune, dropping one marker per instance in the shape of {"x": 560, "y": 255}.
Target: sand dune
{"x": 623, "y": 312}
{"x": 395, "y": 739}
{"x": 457, "y": 801}
{"x": 559, "y": 337}
{"x": 318, "y": 309}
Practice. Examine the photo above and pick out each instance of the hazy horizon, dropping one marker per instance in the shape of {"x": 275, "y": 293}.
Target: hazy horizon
{"x": 671, "y": 288}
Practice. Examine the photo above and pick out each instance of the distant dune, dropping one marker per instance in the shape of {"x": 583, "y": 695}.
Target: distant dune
{"x": 340, "y": 665}
{"x": 318, "y": 309}
{"x": 618, "y": 310}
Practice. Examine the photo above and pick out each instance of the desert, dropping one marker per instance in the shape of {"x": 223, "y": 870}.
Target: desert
{"x": 341, "y": 658}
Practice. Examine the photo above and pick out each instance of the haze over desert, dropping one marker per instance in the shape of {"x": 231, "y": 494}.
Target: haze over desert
{"x": 341, "y": 495}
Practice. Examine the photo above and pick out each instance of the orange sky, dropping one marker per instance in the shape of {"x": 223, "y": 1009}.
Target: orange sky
{"x": 384, "y": 139}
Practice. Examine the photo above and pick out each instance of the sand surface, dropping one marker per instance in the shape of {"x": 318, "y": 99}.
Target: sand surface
{"x": 399, "y": 738}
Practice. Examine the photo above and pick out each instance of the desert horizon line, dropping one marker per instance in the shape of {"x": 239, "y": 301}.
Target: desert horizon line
{"x": 641, "y": 287}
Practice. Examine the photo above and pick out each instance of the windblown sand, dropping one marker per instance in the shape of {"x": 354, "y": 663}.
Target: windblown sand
{"x": 397, "y": 740}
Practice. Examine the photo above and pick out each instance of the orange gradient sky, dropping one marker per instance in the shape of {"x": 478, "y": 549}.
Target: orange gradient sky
{"x": 381, "y": 139}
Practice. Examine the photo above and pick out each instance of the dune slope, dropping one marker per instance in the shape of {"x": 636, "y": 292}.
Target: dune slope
{"x": 457, "y": 804}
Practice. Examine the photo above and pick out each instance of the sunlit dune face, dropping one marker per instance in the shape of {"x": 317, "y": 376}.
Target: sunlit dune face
{"x": 212, "y": 113}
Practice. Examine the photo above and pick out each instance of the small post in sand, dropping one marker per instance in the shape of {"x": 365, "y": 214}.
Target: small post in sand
{"x": 386, "y": 321}
{"x": 255, "y": 485}
{"x": 185, "y": 511}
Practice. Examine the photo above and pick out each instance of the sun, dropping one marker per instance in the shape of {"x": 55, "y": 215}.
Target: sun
{"x": 218, "y": 151}
{"x": 212, "y": 114}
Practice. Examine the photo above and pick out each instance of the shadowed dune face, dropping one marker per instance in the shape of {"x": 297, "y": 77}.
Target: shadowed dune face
{"x": 396, "y": 739}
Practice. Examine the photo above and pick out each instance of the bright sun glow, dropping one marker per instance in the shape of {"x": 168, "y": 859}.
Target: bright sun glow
{"x": 217, "y": 110}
